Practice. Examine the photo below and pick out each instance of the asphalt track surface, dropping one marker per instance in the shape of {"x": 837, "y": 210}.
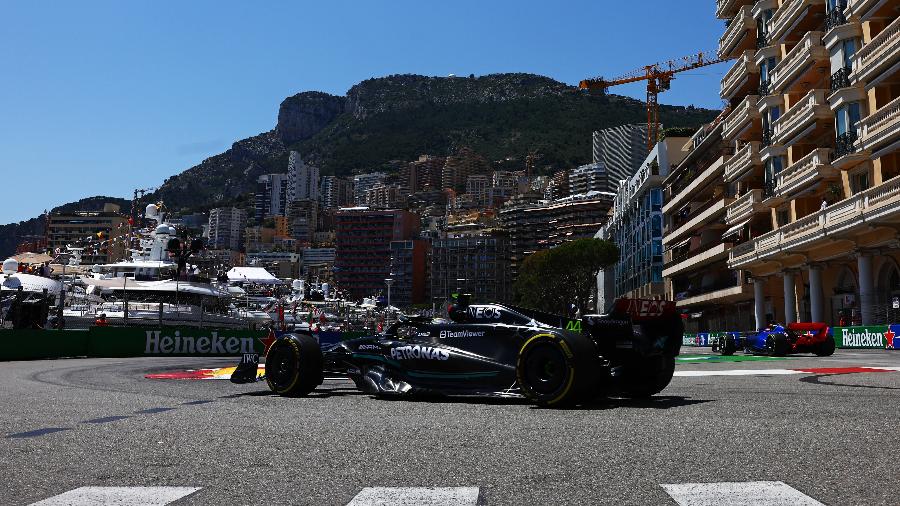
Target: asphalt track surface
{"x": 832, "y": 437}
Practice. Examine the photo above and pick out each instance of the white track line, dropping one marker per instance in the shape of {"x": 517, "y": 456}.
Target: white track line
{"x": 737, "y": 372}
{"x": 750, "y": 493}
{"x": 120, "y": 496}
{"x": 416, "y": 496}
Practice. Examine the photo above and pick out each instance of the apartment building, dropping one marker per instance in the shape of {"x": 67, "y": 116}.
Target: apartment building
{"x": 363, "y": 247}
{"x": 335, "y": 192}
{"x": 303, "y": 218}
{"x": 271, "y": 194}
{"x": 471, "y": 264}
{"x": 302, "y": 179}
{"x": 635, "y": 225}
{"x": 103, "y": 227}
{"x": 590, "y": 177}
{"x": 226, "y": 228}
{"x": 423, "y": 174}
{"x": 620, "y": 150}
{"x": 408, "y": 272}
{"x": 363, "y": 183}
{"x": 458, "y": 167}
{"x": 814, "y": 128}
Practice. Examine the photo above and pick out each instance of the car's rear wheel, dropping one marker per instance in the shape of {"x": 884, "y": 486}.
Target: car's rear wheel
{"x": 727, "y": 345}
{"x": 778, "y": 344}
{"x": 294, "y": 365}
{"x": 826, "y": 347}
{"x": 557, "y": 369}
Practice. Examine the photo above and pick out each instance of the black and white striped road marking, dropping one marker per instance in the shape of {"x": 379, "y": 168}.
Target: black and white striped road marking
{"x": 416, "y": 496}
{"x": 120, "y": 496}
{"x": 749, "y": 493}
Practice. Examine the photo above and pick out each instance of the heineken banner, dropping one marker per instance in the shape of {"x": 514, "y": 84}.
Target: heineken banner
{"x": 173, "y": 341}
{"x": 872, "y": 336}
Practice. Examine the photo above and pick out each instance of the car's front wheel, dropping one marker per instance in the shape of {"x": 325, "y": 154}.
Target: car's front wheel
{"x": 294, "y": 365}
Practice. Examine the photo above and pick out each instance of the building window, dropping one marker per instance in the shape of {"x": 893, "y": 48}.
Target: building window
{"x": 859, "y": 181}
{"x": 656, "y": 199}
{"x": 847, "y": 118}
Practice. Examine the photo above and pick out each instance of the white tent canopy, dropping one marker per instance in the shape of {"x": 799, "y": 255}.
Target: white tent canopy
{"x": 252, "y": 275}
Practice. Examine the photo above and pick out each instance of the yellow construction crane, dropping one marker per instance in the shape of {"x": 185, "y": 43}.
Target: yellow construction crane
{"x": 659, "y": 79}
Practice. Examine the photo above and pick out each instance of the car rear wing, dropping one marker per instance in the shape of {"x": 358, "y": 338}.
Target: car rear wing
{"x": 814, "y": 329}
{"x": 644, "y": 309}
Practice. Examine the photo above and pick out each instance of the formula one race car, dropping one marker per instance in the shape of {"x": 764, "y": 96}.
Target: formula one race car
{"x": 491, "y": 350}
{"x": 779, "y": 340}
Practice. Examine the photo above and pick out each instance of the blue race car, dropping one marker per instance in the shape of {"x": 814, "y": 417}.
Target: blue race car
{"x": 779, "y": 340}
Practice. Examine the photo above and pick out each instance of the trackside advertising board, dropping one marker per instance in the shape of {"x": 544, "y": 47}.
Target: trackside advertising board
{"x": 142, "y": 341}
{"x": 872, "y": 336}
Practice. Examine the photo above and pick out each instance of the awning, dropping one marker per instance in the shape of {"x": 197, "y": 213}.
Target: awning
{"x": 735, "y": 229}
{"x": 252, "y": 275}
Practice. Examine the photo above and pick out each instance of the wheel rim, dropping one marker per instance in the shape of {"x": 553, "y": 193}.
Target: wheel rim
{"x": 546, "y": 369}
{"x": 280, "y": 365}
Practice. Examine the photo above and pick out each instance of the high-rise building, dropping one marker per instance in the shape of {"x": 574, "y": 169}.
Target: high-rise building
{"x": 363, "y": 183}
{"x": 105, "y": 228}
{"x": 458, "y": 167}
{"x": 635, "y": 225}
{"x": 557, "y": 186}
{"x": 385, "y": 196}
{"x": 302, "y": 179}
{"x": 226, "y": 228}
{"x": 532, "y": 225}
{"x": 620, "y": 150}
{"x": 424, "y": 174}
{"x": 477, "y": 185}
{"x": 303, "y": 218}
{"x": 814, "y": 125}
{"x": 271, "y": 195}
{"x": 336, "y": 192}
{"x": 408, "y": 272}
{"x": 363, "y": 247}
{"x": 471, "y": 264}
{"x": 587, "y": 178}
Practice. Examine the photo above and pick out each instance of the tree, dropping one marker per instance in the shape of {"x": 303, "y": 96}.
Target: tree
{"x": 551, "y": 280}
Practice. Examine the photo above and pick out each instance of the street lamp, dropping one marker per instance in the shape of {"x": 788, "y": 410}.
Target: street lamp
{"x": 389, "y": 282}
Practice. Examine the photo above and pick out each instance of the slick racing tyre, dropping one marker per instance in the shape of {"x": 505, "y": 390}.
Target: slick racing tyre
{"x": 556, "y": 370}
{"x": 726, "y": 345}
{"x": 294, "y": 365}
{"x": 826, "y": 348}
{"x": 647, "y": 376}
{"x": 778, "y": 344}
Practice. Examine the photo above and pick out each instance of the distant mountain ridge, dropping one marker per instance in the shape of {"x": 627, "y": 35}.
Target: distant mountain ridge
{"x": 400, "y": 117}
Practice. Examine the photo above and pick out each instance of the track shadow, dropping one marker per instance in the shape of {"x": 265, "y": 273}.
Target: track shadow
{"x": 816, "y": 379}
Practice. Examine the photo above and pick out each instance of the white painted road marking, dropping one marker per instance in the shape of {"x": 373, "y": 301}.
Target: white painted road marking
{"x": 416, "y": 496}
{"x": 119, "y": 496}
{"x": 737, "y": 372}
{"x": 750, "y": 493}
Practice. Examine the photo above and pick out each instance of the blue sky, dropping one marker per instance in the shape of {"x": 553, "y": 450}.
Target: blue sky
{"x": 102, "y": 97}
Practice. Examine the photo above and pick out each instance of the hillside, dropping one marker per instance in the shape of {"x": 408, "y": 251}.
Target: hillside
{"x": 401, "y": 117}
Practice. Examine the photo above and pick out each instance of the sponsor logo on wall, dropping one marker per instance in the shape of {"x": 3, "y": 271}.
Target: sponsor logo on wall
{"x": 158, "y": 343}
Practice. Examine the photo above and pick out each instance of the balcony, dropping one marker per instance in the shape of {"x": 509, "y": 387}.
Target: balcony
{"x": 705, "y": 217}
{"x": 726, "y": 9}
{"x": 871, "y": 206}
{"x": 836, "y": 17}
{"x": 847, "y": 153}
{"x": 734, "y": 293}
{"x": 681, "y": 196}
{"x": 698, "y": 259}
{"x": 744, "y": 207}
{"x": 802, "y": 64}
{"x": 791, "y": 18}
{"x": 881, "y": 128}
{"x": 864, "y": 9}
{"x": 741, "y": 77}
{"x": 742, "y": 163}
{"x": 806, "y": 171}
{"x": 804, "y": 114}
{"x": 741, "y": 118}
{"x": 740, "y": 34}
{"x": 841, "y": 79}
{"x": 879, "y": 55}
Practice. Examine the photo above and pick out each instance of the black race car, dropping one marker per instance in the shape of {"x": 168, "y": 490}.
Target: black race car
{"x": 491, "y": 350}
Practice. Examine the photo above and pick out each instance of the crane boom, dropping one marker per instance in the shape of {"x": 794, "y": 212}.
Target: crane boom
{"x": 659, "y": 79}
